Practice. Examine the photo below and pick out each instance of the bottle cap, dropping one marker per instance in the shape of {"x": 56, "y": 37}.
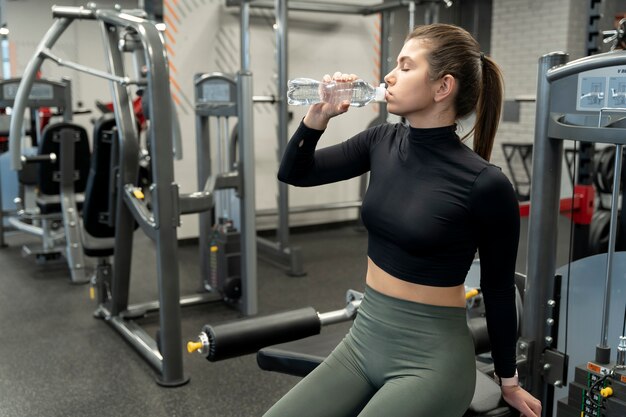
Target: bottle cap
{"x": 380, "y": 93}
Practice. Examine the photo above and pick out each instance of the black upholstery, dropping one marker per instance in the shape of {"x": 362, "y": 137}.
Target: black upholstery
{"x": 96, "y": 209}
{"x": 48, "y": 177}
{"x": 49, "y": 171}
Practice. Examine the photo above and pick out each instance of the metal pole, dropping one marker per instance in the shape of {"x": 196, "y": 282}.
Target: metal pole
{"x": 21, "y": 97}
{"x": 411, "y": 15}
{"x": 246, "y": 170}
{"x": 542, "y": 234}
{"x": 603, "y": 350}
{"x": 282, "y": 56}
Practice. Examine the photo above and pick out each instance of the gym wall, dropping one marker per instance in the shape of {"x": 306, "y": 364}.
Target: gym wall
{"x": 522, "y": 32}
{"x": 205, "y": 38}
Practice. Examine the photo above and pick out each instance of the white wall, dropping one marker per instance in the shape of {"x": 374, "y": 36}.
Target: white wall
{"x": 204, "y": 37}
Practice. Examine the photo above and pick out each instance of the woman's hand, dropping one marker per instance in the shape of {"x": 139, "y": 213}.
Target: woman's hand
{"x": 319, "y": 114}
{"x": 520, "y": 399}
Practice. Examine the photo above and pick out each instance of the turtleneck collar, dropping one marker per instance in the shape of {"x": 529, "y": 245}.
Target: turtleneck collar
{"x": 433, "y": 134}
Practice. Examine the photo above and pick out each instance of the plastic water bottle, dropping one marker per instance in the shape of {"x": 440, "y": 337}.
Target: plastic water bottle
{"x": 305, "y": 91}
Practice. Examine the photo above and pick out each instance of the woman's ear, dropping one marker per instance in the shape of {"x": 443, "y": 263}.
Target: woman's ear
{"x": 446, "y": 87}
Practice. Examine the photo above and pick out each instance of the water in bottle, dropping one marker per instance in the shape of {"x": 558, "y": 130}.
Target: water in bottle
{"x": 306, "y": 91}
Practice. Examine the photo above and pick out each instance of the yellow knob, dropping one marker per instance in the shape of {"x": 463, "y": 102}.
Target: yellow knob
{"x": 606, "y": 392}
{"x": 193, "y": 346}
{"x": 138, "y": 194}
{"x": 471, "y": 293}
{"x": 214, "y": 248}
{"x": 92, "y": 293}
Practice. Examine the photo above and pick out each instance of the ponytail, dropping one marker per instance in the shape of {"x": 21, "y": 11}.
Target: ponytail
{"x": 488, "y": 108}
{"x": 454, "y": 51}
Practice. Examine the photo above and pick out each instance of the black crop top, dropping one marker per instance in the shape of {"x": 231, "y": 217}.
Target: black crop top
{"x": 431, "y": 203}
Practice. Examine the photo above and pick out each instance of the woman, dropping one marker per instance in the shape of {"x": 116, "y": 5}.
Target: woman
{"x": 431, "y": 203}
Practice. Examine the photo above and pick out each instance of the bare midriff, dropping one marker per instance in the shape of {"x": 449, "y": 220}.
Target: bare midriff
{"x": 387, "y": 284}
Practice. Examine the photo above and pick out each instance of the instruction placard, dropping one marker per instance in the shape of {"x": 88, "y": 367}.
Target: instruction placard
{"x": 602, "y": 88}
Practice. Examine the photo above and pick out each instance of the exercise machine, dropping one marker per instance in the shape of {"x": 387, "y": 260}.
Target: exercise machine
{"x": 579, "y": 101}
{"x": 220, "y": 238}
{"x": 292, "y": 342}
{"x": 54, "y": 174}
{"x": 158, "y": 213}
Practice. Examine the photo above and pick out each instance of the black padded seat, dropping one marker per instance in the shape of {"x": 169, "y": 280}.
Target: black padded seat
{"x": 98, "y": 247}
{"x": 49, "y": 172}
{"x": 48, "y": 179}
{"x": 300, "y": 357}
{"x": 98, "y": 234}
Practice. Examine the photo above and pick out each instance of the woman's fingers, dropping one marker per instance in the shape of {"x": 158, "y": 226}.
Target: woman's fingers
{"x": 339, "y": 76}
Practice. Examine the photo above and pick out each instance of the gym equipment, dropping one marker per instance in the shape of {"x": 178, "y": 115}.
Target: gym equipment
{"x": 291, "y": 342}
{"x": 55, "y": 175}
{"x": 573, "y": 103}
{"x": 248, "y": 336}
{"x": 216, "y": 96}
{"x": 585, "y": 300}
{"x": 157, "y": 214}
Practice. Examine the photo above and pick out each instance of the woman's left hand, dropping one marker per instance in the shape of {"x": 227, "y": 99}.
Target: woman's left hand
{"x": 520, "y": 399}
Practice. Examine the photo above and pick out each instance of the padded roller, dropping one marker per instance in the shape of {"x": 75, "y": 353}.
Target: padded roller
{"x": 248, "y": 336}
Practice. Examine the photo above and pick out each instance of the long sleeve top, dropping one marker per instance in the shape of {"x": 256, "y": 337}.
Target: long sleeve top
{"x": 431, "y": 203}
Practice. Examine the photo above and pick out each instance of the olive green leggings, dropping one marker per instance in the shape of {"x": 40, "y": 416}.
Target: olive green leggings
{"x": 400, "y": 359}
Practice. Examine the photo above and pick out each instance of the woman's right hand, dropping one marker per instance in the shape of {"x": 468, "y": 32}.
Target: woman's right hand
{"x": 319, "y": 114}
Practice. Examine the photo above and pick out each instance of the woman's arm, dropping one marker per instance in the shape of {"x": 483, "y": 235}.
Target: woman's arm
{"x": 496, "y": 209}
{"x": 304, "y": 166}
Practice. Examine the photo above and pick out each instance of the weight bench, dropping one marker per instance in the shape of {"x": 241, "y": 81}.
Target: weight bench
{"x": 292, "y": 342}
{"x": 300, "y": 357}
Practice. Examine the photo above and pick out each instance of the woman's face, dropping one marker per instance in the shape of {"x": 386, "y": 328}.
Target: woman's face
{"x": 409, "y": 88}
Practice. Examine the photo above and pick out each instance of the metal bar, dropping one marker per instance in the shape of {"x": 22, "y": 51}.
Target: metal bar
{"x": 23, "y": 91}
{"x": 185, "y": 301}
{"x": 46, "y": 53}
{"x": 248, "y": 219}
{"x": 73, "y": 12}
{"x": 604, "y": 336}
{"x": 312, "y": 208}
{"x": 71, "y": 220}
{"x": 547, "y": 161}
{"x": 165, "y": 197}
{"x": 282, "y": 56}
{"x": 139, "y": 340}
{"x": 586, "y": 64}
{"x": 246, "y": 157}
{"x": 325, "y": 7}
{"x": 139, "y": 211}
{"x": 412, "y": 15}
{"x": 245, "y": 35}
{"x": 128, "y": 169}
{"x": 339, "y": 316}
{"x": 203, "y": 163}
{"x": 289, "y": 257}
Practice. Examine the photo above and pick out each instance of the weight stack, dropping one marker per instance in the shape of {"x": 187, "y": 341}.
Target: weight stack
{"x": 225, "y": 263}
{"x": 577, "y": 404}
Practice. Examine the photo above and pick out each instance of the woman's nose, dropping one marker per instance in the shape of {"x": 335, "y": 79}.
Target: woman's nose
{"x": 389, "y": 78}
